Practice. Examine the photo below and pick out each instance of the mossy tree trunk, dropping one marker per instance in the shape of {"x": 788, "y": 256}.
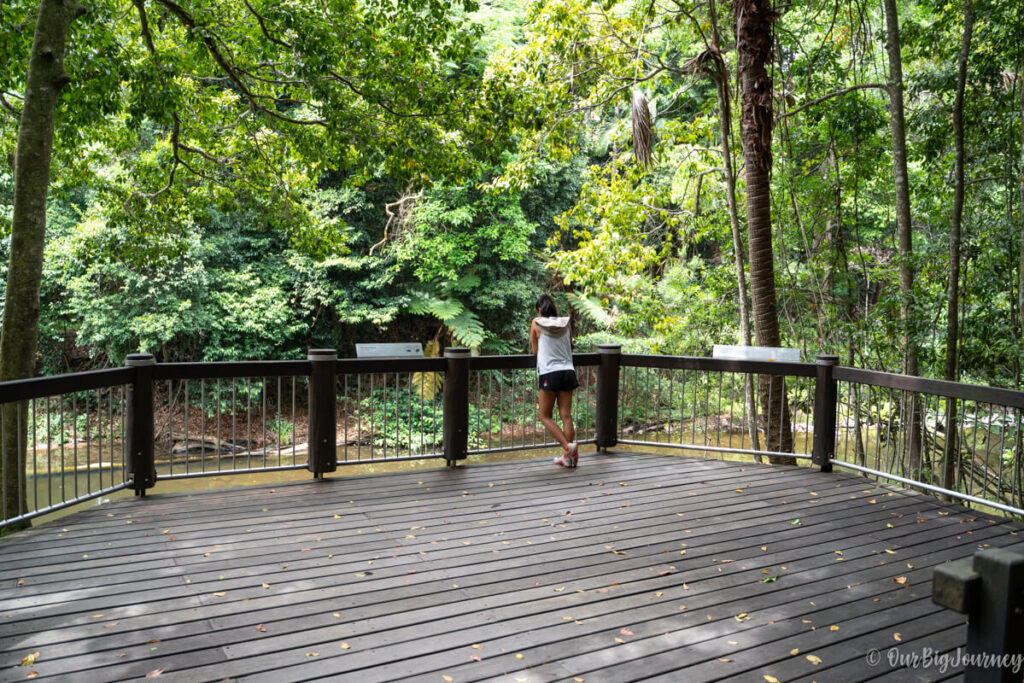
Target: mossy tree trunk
{"x": 20, "y": 333}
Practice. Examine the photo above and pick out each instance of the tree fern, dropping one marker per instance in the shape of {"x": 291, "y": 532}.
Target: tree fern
{"x": 591, "y": 309}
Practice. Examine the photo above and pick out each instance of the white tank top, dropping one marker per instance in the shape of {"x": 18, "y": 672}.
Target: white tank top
{"x": 554, "y": 346}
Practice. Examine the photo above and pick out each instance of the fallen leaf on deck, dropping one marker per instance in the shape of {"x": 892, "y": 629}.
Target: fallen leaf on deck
{"x": 900, "y": 580}
{"x": 151, "y": 642}
{"x": 626, "y": 632}
{"x": 888, "y": 526}
{"x": 29, "y": 660}
{"x": 447, "y": 678}
{"x": 221, "y": 594}
{"x": 771, "y": 679}
{"x": 833, "y": 627}
{"x": 619, "y": 640}
{"x": 577, "y": 679}
{"x": 154, "y": 673}
{"x": 794, "y": 652}
{"x": 769, "y": 579}
{"x": 724, "y": 659}
{"x": 345, "y": 646}
{"x": 478, "y": 646}
{"x": 261, "y": 628}
{"x": 795, "y": 521}
{"x": 658, "y": 594}
{"x": 559, "y": 589}
{"x": 110, "y": 624}
{"x": 897, "y": 638}
{"x": 312, "y": 654}
{"x": 31, "y": 674}
{"x": 682, "y": 606}
{"x": 475, "y": 658}
{"x": 519, "y": 656}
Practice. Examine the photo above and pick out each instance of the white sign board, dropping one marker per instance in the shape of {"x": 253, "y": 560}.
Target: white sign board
{"x": 403, "y": 350}
{"x": 763, "y": 353}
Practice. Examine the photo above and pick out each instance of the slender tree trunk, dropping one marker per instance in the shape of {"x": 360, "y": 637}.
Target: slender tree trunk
{"x": 1020, "y": 246}
{"x": 754, "y": 47}
{"x": 725, "y": 120}
{"x": 897, "y": 126}
{"x": 20, "y": 334}
{"x": 952, "y": 449}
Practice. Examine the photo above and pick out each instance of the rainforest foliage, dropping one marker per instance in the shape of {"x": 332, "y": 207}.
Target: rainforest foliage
{"x": 246, "y": 180}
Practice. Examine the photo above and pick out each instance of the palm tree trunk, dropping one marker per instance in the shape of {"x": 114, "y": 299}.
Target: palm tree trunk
{"x": 754, "y": 47}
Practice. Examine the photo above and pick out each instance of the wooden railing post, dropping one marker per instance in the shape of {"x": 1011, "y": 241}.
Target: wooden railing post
{"x": 323, "y": 400}
{"x": 825, "y": 397}
{"x": 606, "y": 421}
{"x": 140, "y": 467}
{"x": 455, "y": 436}
{"x": 989, "y": 588}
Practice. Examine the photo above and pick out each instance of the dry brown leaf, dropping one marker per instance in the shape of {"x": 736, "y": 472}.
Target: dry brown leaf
{"x": 110, "y": 624}
{"x": 475, "y": 658}
{"x": 31, "y": 674}
{"x": 724, "y": 659}
{"x": 154, "y": 673}
{"x": 265, "y": 585}
{"x": 261, "y": 628}
{"x": 626, "y": 632}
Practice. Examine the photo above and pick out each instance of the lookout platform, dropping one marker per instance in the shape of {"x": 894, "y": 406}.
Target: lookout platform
{"x": 633, "y": 567}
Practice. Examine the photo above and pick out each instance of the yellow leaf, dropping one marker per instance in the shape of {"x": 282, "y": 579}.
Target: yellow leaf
{"x": 814, "y": 660}
{"x": 578, "y": 679}
{"x": 897, "y": 638}
{"x": 447, "y": 678}
{"x": 888, "y": 526}
{"x": 833, "y": 627}
{"x": 724, "y": 659}
{"x": 619, "y": 640}
{"x": 221, "y": 594}
{"x": 794, "y": 652}
{"x": 478, "y": 646}
{"x": 29, "y": 660}
{"x": 345, "y": 646}
{"x": 890, "y": 552}
{"x": 265, "y": 585}
{"x": 771, "y": 679}
{"x": 519, "y": 656}
{"x": 900, "y": 580}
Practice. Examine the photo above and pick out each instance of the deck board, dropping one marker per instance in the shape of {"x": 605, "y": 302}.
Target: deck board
{"x": 514, "y": 571}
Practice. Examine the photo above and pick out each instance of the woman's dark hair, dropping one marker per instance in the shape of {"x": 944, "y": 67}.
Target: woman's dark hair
{"x": 546, "y": 307}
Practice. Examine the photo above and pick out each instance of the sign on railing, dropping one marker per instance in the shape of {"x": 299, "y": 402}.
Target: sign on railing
{"x": 768, "y": 353}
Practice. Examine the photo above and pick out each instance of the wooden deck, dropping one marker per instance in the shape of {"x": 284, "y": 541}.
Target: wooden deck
{"x": 632, "y": 567}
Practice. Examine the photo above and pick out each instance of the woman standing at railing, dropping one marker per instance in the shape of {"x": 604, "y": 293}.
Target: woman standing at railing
{"x": 551, "y": 341}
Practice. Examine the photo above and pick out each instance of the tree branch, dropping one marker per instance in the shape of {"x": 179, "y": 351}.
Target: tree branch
{"x": 823, "y": 98}
{"x": 229, "y": 70}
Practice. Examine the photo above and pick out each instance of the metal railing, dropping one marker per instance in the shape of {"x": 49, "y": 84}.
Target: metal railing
{"x": 61, "y": 441}
{"x": 76, "y": 437}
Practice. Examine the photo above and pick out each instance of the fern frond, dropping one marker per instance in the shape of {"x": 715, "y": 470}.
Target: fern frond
{"x": 466, "y": 329}
{"x": 591, "y": 309}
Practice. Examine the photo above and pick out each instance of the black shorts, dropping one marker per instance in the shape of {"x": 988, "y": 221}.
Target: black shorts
{"x": 559, "y": 380}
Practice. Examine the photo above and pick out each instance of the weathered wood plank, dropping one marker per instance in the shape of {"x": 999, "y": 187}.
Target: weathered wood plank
{"x": 412, "y": 569}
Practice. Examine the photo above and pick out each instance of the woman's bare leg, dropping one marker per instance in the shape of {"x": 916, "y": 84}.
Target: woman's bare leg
{"x": 546, "y": 403}
{"x": 565, "y": 412}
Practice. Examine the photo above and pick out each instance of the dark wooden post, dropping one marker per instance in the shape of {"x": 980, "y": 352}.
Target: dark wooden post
{"x": 989, "y": 588}
{"x": 607, "y": 420}
{"x": 825, "y": 397}
{"x": 140, "y": 467}
{"x": 456, "y": 405}
{"x": 323, "y": 411}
